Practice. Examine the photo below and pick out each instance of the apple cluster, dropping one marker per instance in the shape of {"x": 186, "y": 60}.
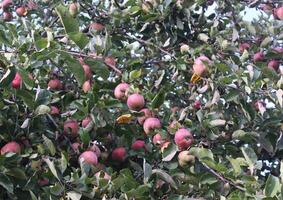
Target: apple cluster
{"x": 7, "y": 6}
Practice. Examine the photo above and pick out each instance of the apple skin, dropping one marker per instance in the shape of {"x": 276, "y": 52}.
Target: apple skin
{"x": 71, "y": 126}
{"x": 17, "y": 82}
{"x": 278, "y": 49}
{"x": 243, "y": 47}
{"x": 86, "y": 86}
{"x": 120, "y": 91}
{"x": 76, "y": 146}
{"x": 88, "y": 72}
{"x": 119, "y": 154}
{"x": 21, "y": 11}
{"x": 13, "y": 147}
{"x": 184, "y": 158}
{"x": 273, "y": 64}
{"x": 150, "y": 124}
{"x": 55, "y": 84}
{"x": 138, "y": 144}
{"x": 109, "y": 60}
{"x": 258, "y": 57}
{"x": 88, "y": 157}
{"x": 183, "y": 138}
{"x": 43, "y": 182}
{"x": 73, "y": 9}
{"x": 197, "y": 105}
{"x": 279, "y": 13}
{"x": 94, "y": 148}
{"x": 147, "y": 113}
{"x": 6, "y": 3}
{"x": 106, "y": 176}
{"x": 199, "y": 66}
{"x": 259, "y": 104}
{"x": 158, "y": 140}
{"x": 96, "y": 26}
{"x": 54, "y": 110}
{"x": 135, "y": 102}
{"x": 7, "y": 16}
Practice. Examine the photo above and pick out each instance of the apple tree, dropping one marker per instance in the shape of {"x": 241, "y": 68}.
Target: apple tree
{"x": 141, "y": 99}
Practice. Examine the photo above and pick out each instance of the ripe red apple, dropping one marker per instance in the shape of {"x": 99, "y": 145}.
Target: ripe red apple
{"x": 43, "y": 182}
{"x": 94, "y": 148}
{"x": 7, "y": 16}
{"x": 150, "y": 124}
{"x": 13, "y": 147}
{"x": 106, "y": 176}
{"x": 243, "y": 47}
{"x": 158, "y": 140}
{"x": 88, "y": 157}
{"x": 96, "y": 26}
{"x": 199, "y": 66}
{"x": 184, "y": 158}
{"x": 164, "y": 146}
{"x": 120, "y": 91}
{"x": 86, "y": 121}
{"x": 88, "y": 72}
{"x": 138, "y": 144}
{"x": 55, "y": 84}
{"x": 278, "y": 49}
{"x": 259, "y": 104}
{"x": 197, "y": 105}
{"x": 54, "y": 110}
{"x": 119, "y": 154}
{"x": 71, "y": 126}
{"x": 135, "y": 102}
{"x": 147, "y": 113}
{"x": 17, "y": 81}
{"x": 273, "y": 64}
{"x": 183, "y": 138}
{"x": 279, "y": 13}
{"x": 86, "y": 86}
{"x": 6, "y": 3}
{"x": 258, "y": 57}
{"x": 21, "y": 11}
{"x": 73, "y": 9}
{"x": 76, "y": 146}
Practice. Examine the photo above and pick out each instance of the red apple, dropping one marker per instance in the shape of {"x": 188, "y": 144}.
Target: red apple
{"x": 17, "y": 81}
{"x": 86, "y": 121}
{"x": 273, "y": 64}
{"x": 86, "y": 86}
{"x": 121, "y": 90}
{"x": 197, "y": 105}
{"x": 164, "y": 146}
{"x": 119, "y": 154}
{"x": 150, "y": 124}
{"x": 199, "y": 66}
{"x": 21, "y": 11}
{"x": 6, "y": 3}
{"x": 13, "y": 147}
{"x": 147, "y": 113}
{"x": 88, "y": 72}
{"x": 55, "y": 84}
{"x": 184, "y": 158}
{"x": 278, "y": 49}
{"x": 183, "y": 138}
{"x": 73, "y": 9}
{"x": 88, "y": 157}
{"x": 96, "y": 26}
{"x": 71, "y": 126}
{"x": 94, "y": 148}
{"x": 258, "y": 57}
{"x": 76, "y": 146}
{"x": 259, "y": 104}
{"x": 106, "y": 176}
{"x": 266, "y": 7}
{"x": 54, "y": 110}
{"x": 135, "y": 102}
{"x": 158, "y": 140}
{"x": 138, "y": 144}
{"x": 279, "y": 13}
{"x": 109, "y": 60}
{"x": 243, "y": 47}
{"x": 174, "y": 126}
{"x": 43, "y": 182}
{"x": 7, "y": 16}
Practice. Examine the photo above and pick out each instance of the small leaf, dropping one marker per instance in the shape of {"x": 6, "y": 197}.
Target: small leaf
{"x": 147, "y": 171}
{"x": 158, "y": 99}
{"x": 74, "y": 195}
{"x": 169, "y": 152}
{"x": 135, "y": 74}
{"x": 49, "y": 144}
{"x": 203, "y": 37}
{"x": 42, "y": 110}
{"x": 166, "y": 177}
{"x": 266, "y": 41}
{"x": 8, "y": 77}
{"x": 217, "y": 122}
{"x": 272, "y": 186}
{"x": 250, "y": 157}
{"x": 33, "y": 197}
{"x": 51, "y": 167}
{"x": 124, "y": 119}
{"x": 6, "y": 183}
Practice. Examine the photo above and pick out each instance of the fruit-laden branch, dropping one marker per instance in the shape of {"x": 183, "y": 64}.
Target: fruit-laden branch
{"x": 222, "y": 178}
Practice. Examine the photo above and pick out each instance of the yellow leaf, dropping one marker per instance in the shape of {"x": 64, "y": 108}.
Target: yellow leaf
{"x": 195, "y": 78}
{"x": 124, "y": 119}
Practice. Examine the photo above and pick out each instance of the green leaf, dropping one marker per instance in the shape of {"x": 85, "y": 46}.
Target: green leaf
{"x": 158, "y": 99}
{"x": 266, "y": 41}
{"x": 33, "y": 197}
{"x": 64, "y": 163}
{"x": 27, "y": 97}
{"x": 26, "y": 80}
{"x": 84, "y": 135}
{"x": 6, "y": 183}
{"x": 17, "y": 173}
{"x": 166, "y": 177}
{"x": 245, "y": 136}
{"x": 49, "y": 144}
{"x": 79, "y": 39}
{"x": 250, "y": 157}
{"x": 169, "y": 153}
{"x": 135, "y": 74}
{"x": 4, "y": 39}
{"x": 98, "y": 67}
{"x": 147, "y": 171}
{"x": 51, "y": 167}
{"x": 8, "y": 77}
{"x": 42, "y": 97}
{"x": 42, "y": 110}
{"x": 202, "y": 153}
{"x": 74, "y": 195}
{"x": 272, "y": 186}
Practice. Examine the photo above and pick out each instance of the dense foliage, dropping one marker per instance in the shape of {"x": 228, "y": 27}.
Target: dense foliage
{"x": 141, "y": 99}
